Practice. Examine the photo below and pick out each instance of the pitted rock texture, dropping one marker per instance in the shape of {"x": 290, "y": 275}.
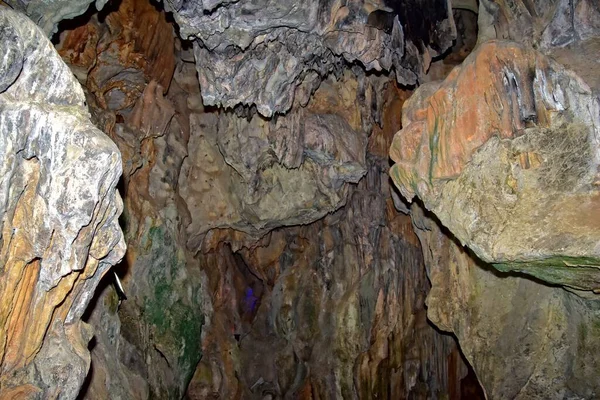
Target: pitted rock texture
{"x": 525, "y": 340}
{"x": 506, "y": 153}
{"x": 259, "y": 52}
{"x": 59, "y": 212}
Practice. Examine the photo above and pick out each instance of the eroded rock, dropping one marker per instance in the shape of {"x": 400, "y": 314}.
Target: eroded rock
{"x": 542, "y": 24}
{"x": 115, "y": 57}
{"x": 59, "y": 211}
{"x": 47, "y": 14}
{"x": 525, "y": 340}
{"x": 505, "y": 153}
{"x": 259, "y": 52}
{"x": 255, "y": 175}
{"x": 329, "y": 310}
{"x": 265, "y": 52}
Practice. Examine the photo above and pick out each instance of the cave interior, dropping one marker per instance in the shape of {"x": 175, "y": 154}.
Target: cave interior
{"x": 262, "y": 199}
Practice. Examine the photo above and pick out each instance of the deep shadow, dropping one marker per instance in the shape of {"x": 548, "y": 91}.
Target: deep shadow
{"x": 470, "y": 388}
{"x": 83, "y": 391}
{"x": 84, "y": 19}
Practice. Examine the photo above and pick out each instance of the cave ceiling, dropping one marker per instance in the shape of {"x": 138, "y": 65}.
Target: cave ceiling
{"x": 260, "y": 53}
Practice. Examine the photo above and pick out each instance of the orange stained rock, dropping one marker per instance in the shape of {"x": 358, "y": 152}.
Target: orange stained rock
{"x": 20, "y": 393}
{"x": 145, "y": 34}
{"x": 78, "y": 46}
{"x": 136, "y": 33}
{"x": 491, "y": 94}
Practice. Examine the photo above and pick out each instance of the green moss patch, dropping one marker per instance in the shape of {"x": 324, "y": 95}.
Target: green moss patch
{"x": 176, "y": 321}
{"x": 577, "y": 272}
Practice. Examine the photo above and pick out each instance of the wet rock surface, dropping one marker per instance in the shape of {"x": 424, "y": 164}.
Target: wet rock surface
{"x": 59, "y": 211}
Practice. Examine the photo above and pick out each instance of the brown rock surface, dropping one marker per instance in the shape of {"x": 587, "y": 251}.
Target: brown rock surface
{"x": 525, "y": 340}
{"x": 114, "y": 58}
{"x": 329, "y": 310}
{"x": 188, "y": 172}
{"x": 267, "y": 256}
{"x": 255, "y": 175}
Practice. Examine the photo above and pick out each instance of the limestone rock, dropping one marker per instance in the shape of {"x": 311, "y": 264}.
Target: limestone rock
{"x": 153, "y": 338}
{"x": 255, "y": 175}
{"x": 259, "y": 52}
{"x": 59, "y": 213}
{"x": 568, "y": 31}
{"x": 543, "y": 24}
{"x": 505, "y": 153}
{"x": 329, "y": 310}
{"x": 525, "y": 340}
{"x": 47, "y": 14}
{"x": 265, "y": 52}
{"x": 117, "y": 56}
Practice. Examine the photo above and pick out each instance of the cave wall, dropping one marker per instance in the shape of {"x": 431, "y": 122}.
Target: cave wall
{"x": 208, "y": 194}
{"x": 331, "y": 309}
{"x": 503, "y": 155}
{"x": 59, "y": 213}
{"x": 266, "y": 254}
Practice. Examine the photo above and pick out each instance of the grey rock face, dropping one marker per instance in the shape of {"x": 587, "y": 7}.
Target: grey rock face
{"x": 543, "y": 24}
{"x": 258, "y": 52}
{"x": 58, "y": 212}
{"x": 47, "y": 14}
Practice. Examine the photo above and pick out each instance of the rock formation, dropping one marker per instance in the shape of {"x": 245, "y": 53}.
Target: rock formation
{"x": 331, "y": 310}
{"x": 251, "y": 57}
{"x": 59, "y": 212}
{"x": 525, "y": 340}
{"x": 516, "y": 177}
{"x": 505, "y": 152}
{"x": 268, "y": 254}
{"x": 261, "y": 53}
